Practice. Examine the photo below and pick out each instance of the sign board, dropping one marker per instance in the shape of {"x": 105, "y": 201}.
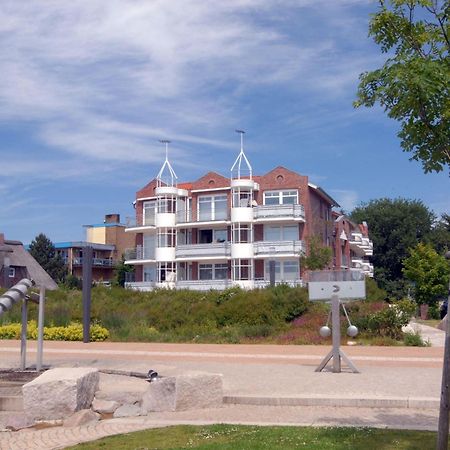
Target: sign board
{"x": 347, "y": 284}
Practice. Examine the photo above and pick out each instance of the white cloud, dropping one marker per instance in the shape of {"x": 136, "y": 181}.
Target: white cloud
{"x": 104, "y": 80}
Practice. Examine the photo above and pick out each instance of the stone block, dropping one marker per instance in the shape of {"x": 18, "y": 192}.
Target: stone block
{"x": 104, "y": 406}
{"x": 127, "y": 411}
{"x": 81, "y": 417}
{"x": 58, "y": 393}
{"x": 184, "y": 392}
{"x": 15, "y": 422}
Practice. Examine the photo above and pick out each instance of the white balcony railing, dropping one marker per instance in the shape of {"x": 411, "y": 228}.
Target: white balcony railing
{"x": 139, "y": 253}
{"x": 278, "y": 248}
{"x": 361, "y": 244}
{"x": 140, "y": 220}
{"x": 279, "y": 212}
{"x": 213, "y": 250}
{"x": 259, "y": 284}
{"x": 97, "y": 262}
{"x": 204, "y": 285}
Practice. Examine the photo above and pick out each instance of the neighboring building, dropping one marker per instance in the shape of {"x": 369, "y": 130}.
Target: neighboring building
{"x": 217, "y": 232}
{"x": 16, "y": 263}
{"x": 111, "y": 232}
{"x": 103, "y": 261}
{"x": 109, "y": 242}
{"x": 352, "y": 245}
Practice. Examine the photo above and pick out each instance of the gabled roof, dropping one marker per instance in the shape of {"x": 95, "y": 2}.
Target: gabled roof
{"x": 19, "y": 257}
{"x": 323, "y": 194}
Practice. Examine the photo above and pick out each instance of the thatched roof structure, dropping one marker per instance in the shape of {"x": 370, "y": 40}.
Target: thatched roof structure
{"x": 19, "y": 257}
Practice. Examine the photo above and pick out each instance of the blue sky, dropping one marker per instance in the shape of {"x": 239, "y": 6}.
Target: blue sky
{"x": 89, "y": 87}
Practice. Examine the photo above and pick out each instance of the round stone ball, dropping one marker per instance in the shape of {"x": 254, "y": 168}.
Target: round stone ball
{"x": 325, "y": 331}
{"x": 352, "y": 331}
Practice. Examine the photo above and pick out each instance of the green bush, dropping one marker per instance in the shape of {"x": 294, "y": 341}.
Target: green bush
{"x": 414, "y": 339}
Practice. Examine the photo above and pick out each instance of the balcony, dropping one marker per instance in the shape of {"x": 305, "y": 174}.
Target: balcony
{"x": 261, "y": 284}
{"x": 140, "y": 254}
{"x": 278, "y": 248}
{"x": 216, "y": 250}
{"x": 361, "y": 245}
{"x": 140, "y": 285}
{"x": 364, "y": 266}
{"x": 204, "y": 285}
{"x": 140, "y": 221}
{"x": 96, "y": 262}
{"x": 277, "y": 212}
{"x": 192, "y": 216}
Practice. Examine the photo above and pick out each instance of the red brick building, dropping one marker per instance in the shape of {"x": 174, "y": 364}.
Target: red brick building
{"x": 217, "y": 232}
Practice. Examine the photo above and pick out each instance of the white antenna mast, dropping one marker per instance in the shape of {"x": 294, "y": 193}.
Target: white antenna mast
{"x": 241, "y": 157}
{"x": 171, "y": 175}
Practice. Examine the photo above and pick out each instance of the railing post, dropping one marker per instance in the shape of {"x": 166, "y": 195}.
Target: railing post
{"x": 23, "y": 335}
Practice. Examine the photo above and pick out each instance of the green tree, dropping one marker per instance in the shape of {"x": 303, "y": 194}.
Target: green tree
{"x": 395, "y": 227}
{"x": 429, "y": 271}
{"x": 318, "y": 257}
{"x": 413, "y": 84}
{"x": 43, "y": 251}
{"x": 121, "y": 270}
{"x": 440, "y": 234}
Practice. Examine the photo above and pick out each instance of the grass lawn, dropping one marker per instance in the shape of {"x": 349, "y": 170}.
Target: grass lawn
{"x": 233, "y": 437}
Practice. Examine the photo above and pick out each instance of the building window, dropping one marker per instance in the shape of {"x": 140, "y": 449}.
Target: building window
{"x": 242, "y": 269}
{"x": 167, "y": 237}
{"x": 242, "y": 233}
{"x": 212, "y": 235}
{"x": 212, "y": 207}
{"x": 242, "y": 198}
{"x": 213, "y": 271}
{"x": 281, "y": 232}
{"x": 284, "y": 270}
{"x": 12, "y": 272}
{"x": 149, "y": 247}
{"x": 149, "y": 273}
{"x": 281, "y": 197}
{"x": 149, "y": 209}
{"x": 167, "y": 204}
{"x": 166, "y": 271}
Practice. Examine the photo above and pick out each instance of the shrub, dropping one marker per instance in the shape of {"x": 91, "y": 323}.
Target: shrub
{"x": 414, "y": 339}
{"x": 72, "y": 332}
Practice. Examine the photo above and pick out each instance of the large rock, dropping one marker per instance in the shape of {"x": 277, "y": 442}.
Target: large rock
{"x": 192, "y": 391}
{"x": 58, "y": 393}
{"x": 81, "y": 417}
{"x": 121, "y": 389}
{"x": 127, "y": 411}
{"x": 104, "y": 406}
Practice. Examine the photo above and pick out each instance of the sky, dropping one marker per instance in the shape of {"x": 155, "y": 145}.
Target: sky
{"x": 88, "y": 88}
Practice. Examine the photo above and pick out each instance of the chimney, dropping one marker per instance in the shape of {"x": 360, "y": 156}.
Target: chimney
{"x": 112, "y": 218}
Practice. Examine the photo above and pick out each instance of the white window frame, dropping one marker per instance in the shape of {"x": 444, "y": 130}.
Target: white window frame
{"x": 281, "y": 234}
{"x": 214, "y": 268}
{"x": 12, "y": 272}
{"x": 167, "y": 237}
{"x": 239, "y": 231}
{"x": 149, "y": 211}
{"x": 280, "y": 195}
{"x": 211, "y": 199}
{"x": 280, "y": 266}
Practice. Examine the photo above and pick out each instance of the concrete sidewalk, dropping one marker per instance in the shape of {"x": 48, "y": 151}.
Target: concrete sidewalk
{"x": 397, "y": 388}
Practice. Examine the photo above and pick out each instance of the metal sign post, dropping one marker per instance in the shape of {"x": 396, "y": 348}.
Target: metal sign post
{"x": 325, "y": 286}
{"x": 336, "y": 353}
{"x": 87, "y": 286}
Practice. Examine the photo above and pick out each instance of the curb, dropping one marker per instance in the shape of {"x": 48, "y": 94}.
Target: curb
{"x": 367, "y": 402}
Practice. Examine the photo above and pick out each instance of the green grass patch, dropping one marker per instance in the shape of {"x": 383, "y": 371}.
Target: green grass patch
{"x": 232, "y": 437}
